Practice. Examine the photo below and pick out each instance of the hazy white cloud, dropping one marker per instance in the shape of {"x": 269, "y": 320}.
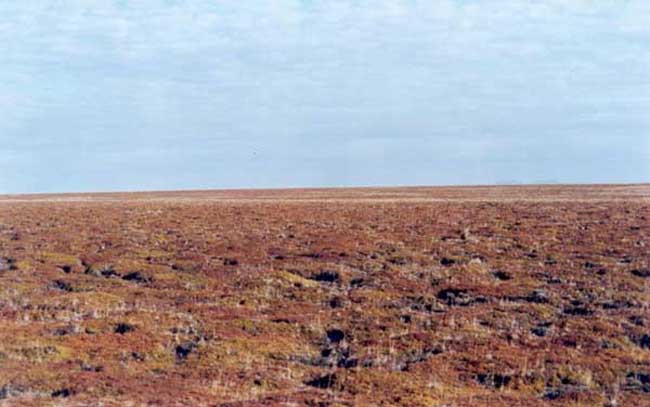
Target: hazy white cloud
{"x": 432, "y": 85}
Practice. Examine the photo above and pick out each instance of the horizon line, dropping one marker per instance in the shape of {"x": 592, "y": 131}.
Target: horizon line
{"x": 316, "y": 188}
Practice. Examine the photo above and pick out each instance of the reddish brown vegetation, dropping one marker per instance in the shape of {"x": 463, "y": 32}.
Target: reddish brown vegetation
{"x": 414, "y": 296}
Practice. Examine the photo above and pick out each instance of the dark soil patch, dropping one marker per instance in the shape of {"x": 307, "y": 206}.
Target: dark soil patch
{"x": 324, "y": 382}
{"x": 326, "y": 277}
{"x": 137, "y": 277}
{"x": 123, "y": 328}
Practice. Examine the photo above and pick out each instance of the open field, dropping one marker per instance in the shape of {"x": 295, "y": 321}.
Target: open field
{"x": 468, "y": 296}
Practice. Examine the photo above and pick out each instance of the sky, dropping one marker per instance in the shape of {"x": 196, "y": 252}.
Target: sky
{"x": 110, "y": 95}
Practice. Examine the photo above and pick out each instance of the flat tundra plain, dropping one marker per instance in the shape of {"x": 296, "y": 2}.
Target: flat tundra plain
{"x": 465, "y": 296}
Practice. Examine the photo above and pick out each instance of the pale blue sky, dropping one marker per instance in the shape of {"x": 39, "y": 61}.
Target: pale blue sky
{"x": 163, "y": 94}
